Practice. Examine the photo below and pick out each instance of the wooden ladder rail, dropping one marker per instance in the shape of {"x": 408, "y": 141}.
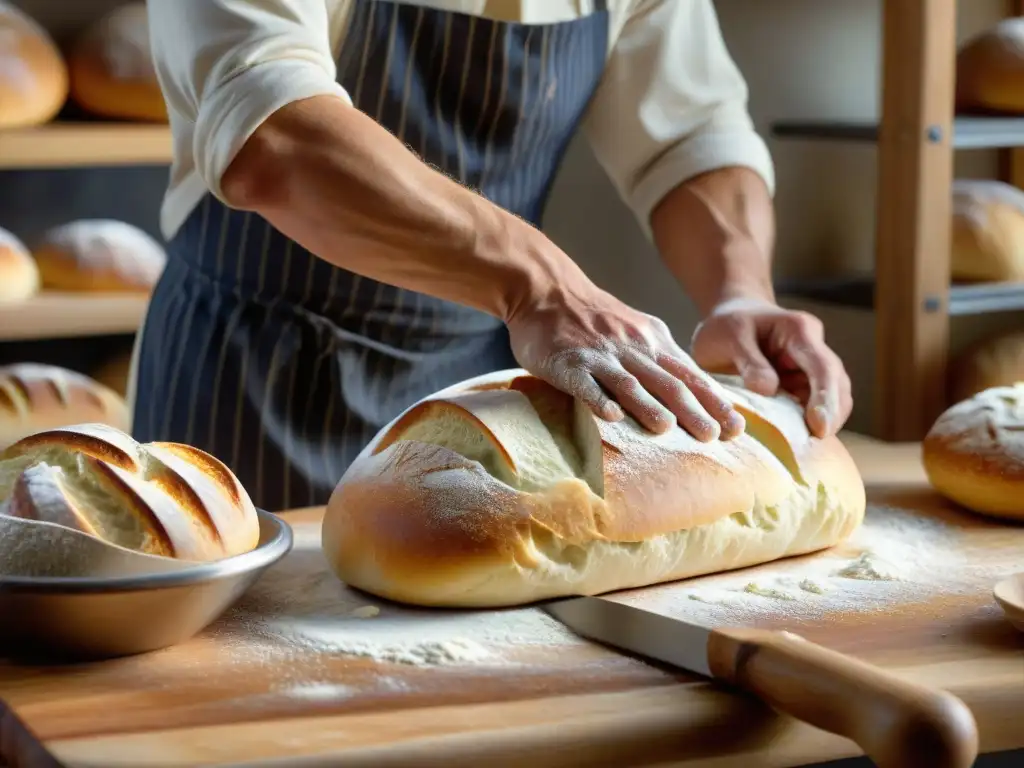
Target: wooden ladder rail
{"x": 915, "y": 171}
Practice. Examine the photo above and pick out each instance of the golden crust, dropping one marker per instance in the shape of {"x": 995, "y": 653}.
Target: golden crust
{"x": 35, "y": 397}
{"x": 19, "y": 274}
{"x": 161, "y": 499}
{"x": 99, "y": 255}
{"x": 419, "y": 522}
{"x": 33, "y": 76}
{"x": 990, "y": 70}
{"x": 111, "y": 71}
{"x": 974, "y": 453}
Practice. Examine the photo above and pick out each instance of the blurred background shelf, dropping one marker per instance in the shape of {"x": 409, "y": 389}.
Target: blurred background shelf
{"x": 84, "y": 144}
{"x": 66, "y": 315}
{"x": 858, "y": 292}
{"x": 968, "y": 132}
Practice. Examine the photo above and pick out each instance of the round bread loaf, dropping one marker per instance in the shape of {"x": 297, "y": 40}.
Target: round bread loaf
{"x": 98, "y": 255}
{"x": 988, "y": 231}
{"x": 990, "y": 70}
{"x": 974, "y": 453}
{"x": 504, "y": 491}
{"x": 36, "y": 397}
{"x": 161, "y": 499}
{"x": 19, "y": 275}
{"x": 33, "y": 76}
{"x": 111, "y": 67}
{"x": 995, "y": 362}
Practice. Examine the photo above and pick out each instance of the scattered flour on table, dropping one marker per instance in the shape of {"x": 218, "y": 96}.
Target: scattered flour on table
{"x": 894, "y": 559}
{"x": 300, "y": 606}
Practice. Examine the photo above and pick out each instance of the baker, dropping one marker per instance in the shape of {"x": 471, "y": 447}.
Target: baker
{"x": 352, "y": 223}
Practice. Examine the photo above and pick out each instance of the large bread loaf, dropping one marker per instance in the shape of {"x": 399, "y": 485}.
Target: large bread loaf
{"x": 504, "y": 491}
{"x": 161, "y": 499}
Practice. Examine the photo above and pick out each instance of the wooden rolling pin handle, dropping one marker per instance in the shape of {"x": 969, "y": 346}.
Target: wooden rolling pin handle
{"x": 19, "y": 748}
{"x": 898, "y": 724}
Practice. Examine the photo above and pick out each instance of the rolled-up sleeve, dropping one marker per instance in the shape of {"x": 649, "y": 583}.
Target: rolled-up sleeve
{"x": 227, "y": 65}
{"x": 671, "y": 105}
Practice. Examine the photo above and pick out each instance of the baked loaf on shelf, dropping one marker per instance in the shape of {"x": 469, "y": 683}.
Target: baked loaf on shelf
{"x": 33, "y": 75}
{"x": 36, "y": 397}
{"x": 99, "y": 255}
{"x": 111, "y": 68}
{"x": 504, "y": 491}
{"x": 19, "y": 275}
{"x": 161, "y": 499}
{"x": 974, "y": 453}
{"x": 990, "y": 70}
{"x": 988, "y": 231}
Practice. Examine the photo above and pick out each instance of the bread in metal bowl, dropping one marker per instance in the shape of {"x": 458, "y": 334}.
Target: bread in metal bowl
{"x": 163, "y": 499}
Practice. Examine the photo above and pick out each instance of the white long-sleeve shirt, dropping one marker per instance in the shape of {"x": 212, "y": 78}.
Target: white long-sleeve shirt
{"x": 671, "y": 104}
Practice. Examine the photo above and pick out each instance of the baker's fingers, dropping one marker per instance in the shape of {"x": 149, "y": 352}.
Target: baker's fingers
{"x": 825, "y": 374}
{"x": 577, "y": 381}
{"x": 634, "y": 398}
{"x": 687, "y": 409}
{"x": 757, "y": 372}
{"x": 705, "y": 390}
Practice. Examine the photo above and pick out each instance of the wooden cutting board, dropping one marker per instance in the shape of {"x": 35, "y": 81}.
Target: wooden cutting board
{"x": 304, "y": 670}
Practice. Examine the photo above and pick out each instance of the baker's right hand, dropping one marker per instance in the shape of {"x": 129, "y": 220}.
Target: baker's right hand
{"x": 589, "y": 344}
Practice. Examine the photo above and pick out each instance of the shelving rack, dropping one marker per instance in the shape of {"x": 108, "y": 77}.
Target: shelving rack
{"x": 910, "y": 291}
{"x": 78, "y": 145}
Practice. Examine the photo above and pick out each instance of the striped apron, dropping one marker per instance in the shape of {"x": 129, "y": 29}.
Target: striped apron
{"x": 284, "y": 366}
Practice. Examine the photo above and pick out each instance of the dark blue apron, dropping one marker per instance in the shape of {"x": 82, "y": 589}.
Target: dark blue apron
{"x": 284, "y": 366}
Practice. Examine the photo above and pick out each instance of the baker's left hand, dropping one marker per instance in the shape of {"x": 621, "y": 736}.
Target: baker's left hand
{"x": 771, "y": 348}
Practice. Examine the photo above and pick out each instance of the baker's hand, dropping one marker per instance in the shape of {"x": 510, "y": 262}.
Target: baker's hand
{"x": 591, "y": 345}
{"x": 772, "y": 348}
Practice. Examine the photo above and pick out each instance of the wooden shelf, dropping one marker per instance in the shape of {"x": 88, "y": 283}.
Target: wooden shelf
{"x": 71, "y": 315}
{"x": 859, "y": 293}
{"x": 968, "y": 132}
{"x": 80, "y": 145}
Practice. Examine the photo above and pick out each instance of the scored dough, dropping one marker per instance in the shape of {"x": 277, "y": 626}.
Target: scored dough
{"x": 974, "y": 453}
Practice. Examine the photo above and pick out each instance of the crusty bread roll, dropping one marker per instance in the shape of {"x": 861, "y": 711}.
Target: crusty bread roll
{"x": 33, "y": 76}
{"x": 97, "y": 255}
{"x": 503, "y": 491}
{"x": 988, "y": 231}
{"x": 990, "y": 70}
{"x": 111, "y": 66}
{"x": 37, "y": 397}
{"x": 974, "y": 453}
{"x": 994, "y": 362}
{"x": 19, "y": 275}
{"x": 161, "y": 499}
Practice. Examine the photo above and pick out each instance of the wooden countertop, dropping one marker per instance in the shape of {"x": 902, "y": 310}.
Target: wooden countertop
{"x": 228, "y": 698}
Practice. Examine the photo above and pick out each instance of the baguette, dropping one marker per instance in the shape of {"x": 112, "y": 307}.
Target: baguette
{"x": 503, "y": 491}
{"x": 35, "y": 397}
{"x": 162, "y": 499}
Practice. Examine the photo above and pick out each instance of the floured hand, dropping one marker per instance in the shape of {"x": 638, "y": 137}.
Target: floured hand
{"x": 592, "y": 346}
{"x": 771, "y": 348}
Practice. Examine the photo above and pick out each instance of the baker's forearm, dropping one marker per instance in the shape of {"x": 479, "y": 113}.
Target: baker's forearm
{"x": 340, "y": 185}
{"x": 716, "y": 234}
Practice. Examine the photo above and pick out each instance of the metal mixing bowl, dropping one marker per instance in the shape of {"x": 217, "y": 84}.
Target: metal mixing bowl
{"x": 89, "y": 618}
